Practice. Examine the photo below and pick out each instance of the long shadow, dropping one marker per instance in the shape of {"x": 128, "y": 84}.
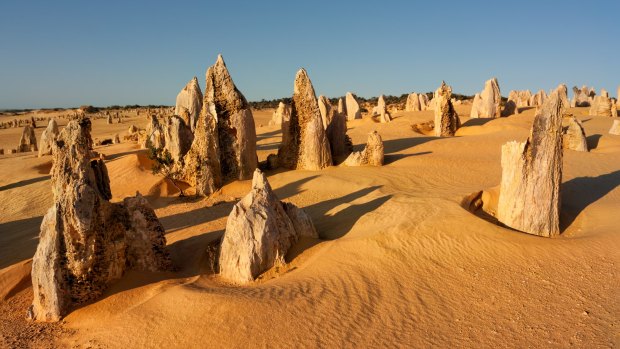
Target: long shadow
{"x": 205, "y": 214}
{"x": 332, "y": 227}
{"x": 268, "y": 146}
{"x": 476, "y": 122}
{"x": 592, "y": 141}
{"x": 396, "y": 145}
{"x": 390, "y": 158}
{"x": 118, "y": 155}
{"x": 267, "y": 135}
{"x": 24, "y": 183}
{"x": 580, "y": 192}
{"x": 18, "y": 240}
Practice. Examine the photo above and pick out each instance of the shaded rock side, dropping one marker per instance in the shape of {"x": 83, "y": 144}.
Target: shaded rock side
{"x": 304, "y": 140}
{"x": 259, "y": 232}
{"x": 178, "y": 137}
{"x": 202, "y": 162}
{"x": 529, "y": 199}
{"x": 236, "y": 130}
{"x": 446, "y": 119}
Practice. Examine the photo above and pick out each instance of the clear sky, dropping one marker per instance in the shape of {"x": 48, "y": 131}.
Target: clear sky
{"x": 70, "y": 53}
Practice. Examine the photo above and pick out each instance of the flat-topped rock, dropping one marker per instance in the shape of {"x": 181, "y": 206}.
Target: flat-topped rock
{"x": 529, "y": 199}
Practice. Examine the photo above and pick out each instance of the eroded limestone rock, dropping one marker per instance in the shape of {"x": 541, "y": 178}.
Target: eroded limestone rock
{"x": 529, "y": 198}
{"x": 178, "y": 137}
{"x": 352, "y": 107}
{"x": 259, "y": 232}
{"x": 487, "y": 103}
{"x": 28, "y": 140}
{"x": 574, "y": 135}
{"x": 371, "y": 155}
{"x": 48, "y": 137}
{"x": 282, "y": 113}
{"x": 86, "y": 242}
{"x": 189, "y": 103}
{"x": 304, "y": 140}
{"x": 446, "y": 119}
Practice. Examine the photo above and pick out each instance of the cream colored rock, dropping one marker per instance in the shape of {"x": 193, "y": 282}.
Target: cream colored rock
{"x": 86, "y": 242}
{"x": 384, "y": 115}
{"x": 487, "y": 103}
{"x": 413, "y": 102}
{"x": 48, "y": 137}
{"x": 28, "y": 140}
{"x": 574, "y": 137}
{"x": 325, "y": 108}
{"x": 529, "y": 199}
{"x": 521, "y": 98}
{"x": 178, "y": 137}
{"x": 615, "y": 128}
{"x": 352, "y": 107}
{"x": 304, "y": 140}
{"x": 189, "y": 103}
{"x": 259, "y": 232}
{"x": 371, "y": 155}
{"x": 283, "y": 112}
{"x": 342, "y": 108}
{"x": 154, "y": 136}
{"x": 446, "y": 119}
{"x": 581, "y": 97}
{"x": 538, "y": 99}
{"x": 602, "y": 106}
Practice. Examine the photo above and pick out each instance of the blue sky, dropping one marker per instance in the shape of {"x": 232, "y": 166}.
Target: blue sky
{"x": 69, "y": 53}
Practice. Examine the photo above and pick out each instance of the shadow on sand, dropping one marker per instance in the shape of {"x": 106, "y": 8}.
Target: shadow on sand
{"x": 24, "y": 183}
{"x": 21, "y": 242}
{"x": 476, "y": 122}
{"x": 581, "y": 192}
{"x": 592, "y": 141}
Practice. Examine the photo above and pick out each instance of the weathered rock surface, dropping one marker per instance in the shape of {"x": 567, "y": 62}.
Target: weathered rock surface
{"x": 339, "y": 142}
{"x": 282, "y": 113}
{"x": 259, "y": 232}
{"x": 189, "y": 103}
{"x": 538, "y": 99}
{"x": 615, "y": 128}
{"x": 413, "y": 102}
{"x": 224, "y": 145}
{"x": 86, "y": 242}
{"x": 202, "y": 162}
{"x": 48, "y": 137}
{"x": 581, "y": 97}
{"x": 602, "y": 105}
{"x": 28, "y": 140}
{"x": 236, "y": 130}
{"x": 381, "y": 110}
{"x": 487, "y": 103}
{"x": 352, "y": 107}
{"x": 326, "y": 110}
{"x": 521, "y": 98}
{"x": 154, "y": 136}
{"x": 342, "y": 108}
{"x": 510, "y": 108}
{"x": 574, "y": 137}
{"x": 371, "y": 155}
{"x": 304, "y": 140}
{"x": 178, "y": 137}
{"x": 529, "y": 198}
{"x": 446, "y": 119}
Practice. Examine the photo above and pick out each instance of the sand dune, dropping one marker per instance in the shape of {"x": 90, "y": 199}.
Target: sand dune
{"x": 400, "y": 262}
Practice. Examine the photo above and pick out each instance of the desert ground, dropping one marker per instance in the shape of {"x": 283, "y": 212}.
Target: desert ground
{"x": 399, "y": 262}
